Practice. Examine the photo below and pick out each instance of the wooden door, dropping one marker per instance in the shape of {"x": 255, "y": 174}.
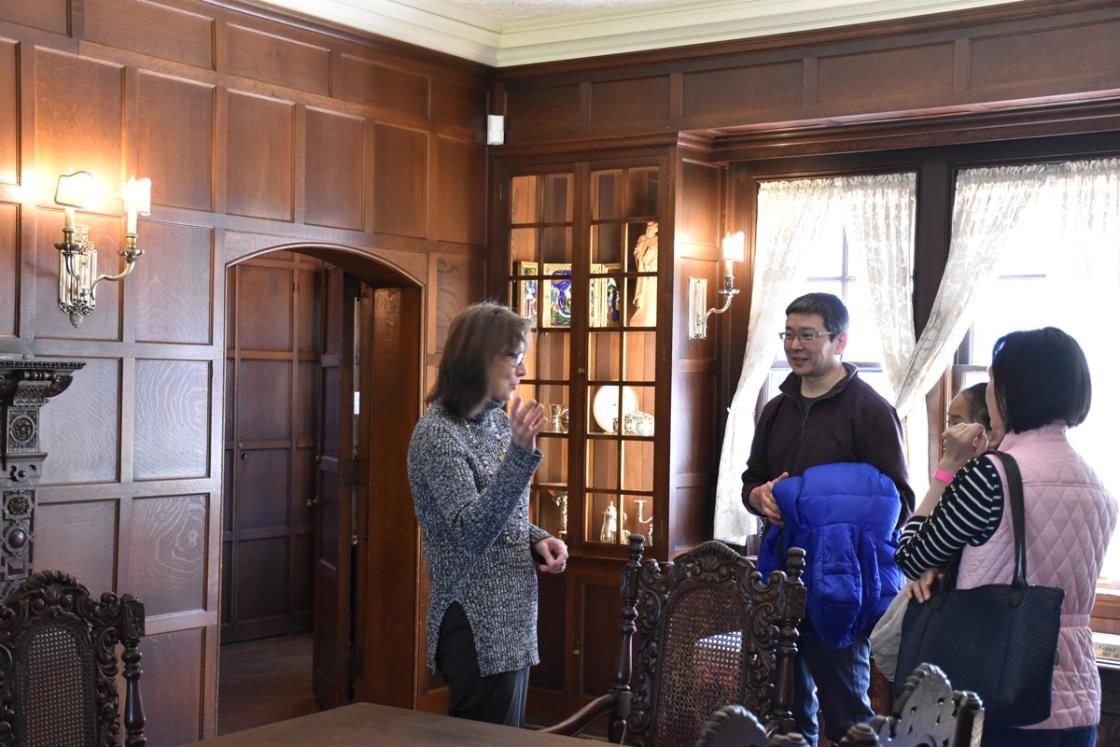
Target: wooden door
{"x": 271, "y": 356}
{"x": 335, "y": 500}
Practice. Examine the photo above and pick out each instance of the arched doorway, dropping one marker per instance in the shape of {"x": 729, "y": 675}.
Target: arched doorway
{"x": 317, "y": 508}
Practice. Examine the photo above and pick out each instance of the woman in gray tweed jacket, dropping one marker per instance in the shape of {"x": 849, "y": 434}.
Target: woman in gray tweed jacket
{"x": 470, "y": 464}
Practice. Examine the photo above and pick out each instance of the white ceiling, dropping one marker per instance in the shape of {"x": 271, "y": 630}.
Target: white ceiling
{"x": 517, "y": 32}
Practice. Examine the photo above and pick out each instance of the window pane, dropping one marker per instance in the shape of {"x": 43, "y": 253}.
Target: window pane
{"x": 863, "y": 333}
{"x": 1018, "y": 303}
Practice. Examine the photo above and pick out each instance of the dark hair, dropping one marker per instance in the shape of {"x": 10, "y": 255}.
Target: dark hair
{"x": 826, "y": 306}
{"x": 478, "y": 335}
{"x": 976, "y": 396}
{"x": 1040, "y": 376}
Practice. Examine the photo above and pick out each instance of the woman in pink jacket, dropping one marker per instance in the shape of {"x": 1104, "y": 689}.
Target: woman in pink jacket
{"x": 1039, "y": 387}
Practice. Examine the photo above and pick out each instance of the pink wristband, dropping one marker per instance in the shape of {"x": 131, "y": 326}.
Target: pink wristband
{"x": 943, "y": 476}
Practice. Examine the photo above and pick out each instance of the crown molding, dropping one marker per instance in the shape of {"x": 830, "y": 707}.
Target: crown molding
{"x": 485, "y": 38}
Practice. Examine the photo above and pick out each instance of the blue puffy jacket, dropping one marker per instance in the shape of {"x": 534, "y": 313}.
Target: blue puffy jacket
{"x": 843, "y": 515}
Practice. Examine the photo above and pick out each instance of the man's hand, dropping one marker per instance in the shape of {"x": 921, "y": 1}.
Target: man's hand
{"x": 525, "y": 422}
{"x": 555, "y": 554}
{"x": 762, "y": 500}
{"x": 922, "y": 589}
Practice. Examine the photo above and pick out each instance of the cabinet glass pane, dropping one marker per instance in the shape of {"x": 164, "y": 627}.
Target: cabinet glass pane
{"x": 523, "y": 251}
{"x": 523, "y": 199}
{"x": 555, "y": 401}
{"x": 641, "y": 298}
{"x": 524, "y": 299}
{"x": 554, "y": 354}
{"x": 603, "y": 356}
{"x": 643, "y": 193}
{"x": 606, "y": 195}
{"x": 553, "y": 469}
{"x": 558, "y": 198}
{"x": 640, "y": 359}
{"x": 602, "y": 464}
{"x": 556, "y": 298}
{"x": 606, "y": 246}
{"x": 602, "y": 521}
{"x": 618, "y": 409}
{"x": 637, "y": 465}
{"x": 552, "y": 511}
{"x": 556, "y": 246}
{"x": 637, "y": 518}
{"x": 605, "y": 300}
{"x": 642, "y": 238}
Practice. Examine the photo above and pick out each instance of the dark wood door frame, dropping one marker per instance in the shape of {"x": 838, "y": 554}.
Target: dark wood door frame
{"x": 388, "y": 572}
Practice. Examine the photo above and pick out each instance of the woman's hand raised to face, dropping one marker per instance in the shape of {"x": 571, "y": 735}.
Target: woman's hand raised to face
{"x": 962, "y": 442}
{"x": 526, "y": 420}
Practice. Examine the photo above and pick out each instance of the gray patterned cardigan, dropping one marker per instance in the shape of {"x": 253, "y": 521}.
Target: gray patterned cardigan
{"x": 470, "y": 487}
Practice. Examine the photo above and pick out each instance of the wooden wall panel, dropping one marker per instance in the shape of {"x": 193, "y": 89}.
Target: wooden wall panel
{"x": 889, "y": 78}
{"x": 720, "y": 95}
{"x": 173, "y": 289}
{"x": 105, "y": 322}
{"x": 618, "y": 102}
{"x": 336, "y": 186}
{"x": 460, "y": 198}
{"x": 9, "y": 112}
{"x": 78, "y": 119}
{"x": 368, "y": 83}
{"x": 175, "y": 140}
{"x": 173, "y": 711}
{"x": 266, "y": 553}
{"x": 260, "y": 157}
{"x": 48, "y": 15}
{"x": 172, "y": 424}
{"x": 698, "y": 217}
{"x": 541, "y": 108}
{"x": 275, "y": 59}
{"x": 459, "y": 105}
{"x": 81, "y": 438}
{"x": 264, "y": 391}
{"x": 167, "y": 561}
{"x": 400, "y": 186}
{"x": 258, "y": 506}
{"x": 270, "y": 328}
{"x": 1058, "y": 60}
{"x": 454, "y": 292}
{"x": 151, "y": 28}
{"x": 9, "y": 268}
{"x": 79, "y": 538}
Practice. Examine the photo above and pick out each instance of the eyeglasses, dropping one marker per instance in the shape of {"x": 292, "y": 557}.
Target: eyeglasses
{"x": 804, "y": 337}
{"x": 516, "y": 358}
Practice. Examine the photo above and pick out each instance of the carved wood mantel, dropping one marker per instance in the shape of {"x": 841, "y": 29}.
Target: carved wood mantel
{"x": 25, "y": 386}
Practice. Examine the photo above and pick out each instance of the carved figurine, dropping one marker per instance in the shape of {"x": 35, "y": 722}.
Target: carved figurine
{"x": 645, "y": 290}
{"x": 608, "y": 532}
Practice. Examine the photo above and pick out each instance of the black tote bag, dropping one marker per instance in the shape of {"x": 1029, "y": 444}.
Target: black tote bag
{"x": 1000, "y": 641}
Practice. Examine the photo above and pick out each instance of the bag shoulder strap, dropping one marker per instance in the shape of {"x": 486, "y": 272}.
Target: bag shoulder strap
{"x": 1018, "y": 517}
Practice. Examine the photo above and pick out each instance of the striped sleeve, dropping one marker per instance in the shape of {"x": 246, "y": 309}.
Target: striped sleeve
{"x": 968, "y": 512}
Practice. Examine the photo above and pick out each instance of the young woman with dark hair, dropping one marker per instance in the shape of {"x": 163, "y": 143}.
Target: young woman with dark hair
{"x": 1039, "y": 387}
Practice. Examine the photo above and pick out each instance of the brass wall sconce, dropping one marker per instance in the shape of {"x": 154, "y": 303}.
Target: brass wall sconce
{"x": 698, "y": 289}
{"x": 77, "y": 256}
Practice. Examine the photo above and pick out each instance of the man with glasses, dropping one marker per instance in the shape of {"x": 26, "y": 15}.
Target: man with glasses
{"x": 824, "y": 414}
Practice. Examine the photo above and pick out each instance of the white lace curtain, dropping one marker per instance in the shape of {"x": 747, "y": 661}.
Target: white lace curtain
{"x": 792, "y": 217}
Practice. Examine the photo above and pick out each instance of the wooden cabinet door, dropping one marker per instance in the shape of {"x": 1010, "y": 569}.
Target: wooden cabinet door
{"x": 334, "y": 525}
{"x": 271, "y": 357}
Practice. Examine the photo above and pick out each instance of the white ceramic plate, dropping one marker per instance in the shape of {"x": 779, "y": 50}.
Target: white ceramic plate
{"x": 604, "y": 407}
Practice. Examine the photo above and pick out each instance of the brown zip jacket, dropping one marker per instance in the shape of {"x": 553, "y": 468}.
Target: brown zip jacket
{"x": 850, "y": 423}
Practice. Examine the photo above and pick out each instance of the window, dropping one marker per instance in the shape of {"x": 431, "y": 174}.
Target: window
{"x": 1031, "y": 290}
{"x": 837, "y": 267}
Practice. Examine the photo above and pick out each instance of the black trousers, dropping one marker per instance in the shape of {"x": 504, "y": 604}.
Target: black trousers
{"x": 497, "y": 698}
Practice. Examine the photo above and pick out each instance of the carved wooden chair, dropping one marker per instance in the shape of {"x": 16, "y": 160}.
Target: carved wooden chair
{"x": 710, "y": 632}
{"x": 930, "y": 713}
{"x": 735, "y": 726}
{"x": 58, "y": 665}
